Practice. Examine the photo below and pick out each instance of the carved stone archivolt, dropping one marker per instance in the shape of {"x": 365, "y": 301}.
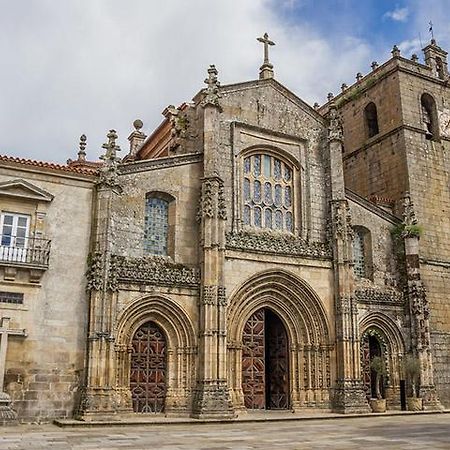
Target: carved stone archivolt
{"x": 390, "y": 338}
{"x": 155, "y": 270}
{"x": 180, "y": 336}
{"x": 277, "y": 243}
{"x": 304, "y": 318}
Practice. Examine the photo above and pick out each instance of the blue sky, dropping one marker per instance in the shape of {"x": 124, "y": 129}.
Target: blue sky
{"x": 381, "y": 22}
{"x": 74, "y": 67}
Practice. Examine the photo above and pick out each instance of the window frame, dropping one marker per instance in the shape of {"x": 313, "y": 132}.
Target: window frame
{"x": 171, "y": 216}
{"x": 294, "y": 185}
{"x": 366, "y": 238}
{"x": 371, "y": 118}
{"x": 12, "y": 251}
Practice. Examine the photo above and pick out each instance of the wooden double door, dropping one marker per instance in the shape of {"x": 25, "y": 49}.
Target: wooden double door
{"x": 265, "y": 362}
{"x": 148, "y": 369}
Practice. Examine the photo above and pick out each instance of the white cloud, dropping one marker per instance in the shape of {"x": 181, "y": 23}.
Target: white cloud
{"x": 398, "y": 14}
{"x": 84, "y": 67}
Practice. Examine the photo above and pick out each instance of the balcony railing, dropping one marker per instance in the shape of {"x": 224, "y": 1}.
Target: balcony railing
{"x": 20, "y": 250}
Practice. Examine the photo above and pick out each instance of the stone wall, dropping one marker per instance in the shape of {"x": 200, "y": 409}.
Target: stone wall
{"x": 44, "y": 369}
{"x": 441, "y": 362}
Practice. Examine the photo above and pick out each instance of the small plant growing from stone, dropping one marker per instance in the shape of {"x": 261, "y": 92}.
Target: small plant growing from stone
{"x": 378, "y": 366}
{"x": 411, "y": 366}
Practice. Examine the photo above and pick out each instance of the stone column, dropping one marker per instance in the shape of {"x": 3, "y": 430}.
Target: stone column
{"x": 212, "y": 397}
{"x": 99, "y": 394}
{"x": 349, "y": 393}
{"x": 419, "y": 308}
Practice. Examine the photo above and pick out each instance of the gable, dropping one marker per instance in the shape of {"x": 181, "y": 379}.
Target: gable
{"x": 23, "y": 189}
{"x": 271, "y": 98}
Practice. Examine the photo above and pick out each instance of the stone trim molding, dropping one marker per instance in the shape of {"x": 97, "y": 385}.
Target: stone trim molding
{"x": 155, "y": 270}
{"x": 277, "y": 243}
{"x": 159, "y": 163}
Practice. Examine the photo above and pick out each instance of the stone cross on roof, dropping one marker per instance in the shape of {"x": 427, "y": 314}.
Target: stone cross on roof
{"x": 266, "y": 70}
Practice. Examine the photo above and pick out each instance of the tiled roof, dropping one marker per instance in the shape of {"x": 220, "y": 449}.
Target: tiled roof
{"x": 49, "y": 165}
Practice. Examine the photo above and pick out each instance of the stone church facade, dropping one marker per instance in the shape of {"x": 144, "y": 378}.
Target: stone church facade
{"x": 252, "y": 253}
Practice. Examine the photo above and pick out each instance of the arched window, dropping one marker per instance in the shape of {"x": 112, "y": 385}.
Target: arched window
{"x": 362, "y": 255}
{"x": 429, "y": 117}
{"x": 371, "y": 118}
{"x": 440, "y": 68}
{"x": 156, "y": 224}
{"x": 268, "y": 193}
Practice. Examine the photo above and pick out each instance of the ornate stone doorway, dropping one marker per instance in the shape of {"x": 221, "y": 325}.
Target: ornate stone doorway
{"x": 371, "y": 347}
{"x": 148, "y": 369}
{"x": 265, "y": 362}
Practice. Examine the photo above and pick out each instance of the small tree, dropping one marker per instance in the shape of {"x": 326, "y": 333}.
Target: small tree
{"x": 411, "y": 366}
{"x": 377, "y": 365}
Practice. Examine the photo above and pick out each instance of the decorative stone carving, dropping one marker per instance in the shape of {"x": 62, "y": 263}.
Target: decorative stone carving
{"x": 221, "y": 206}
{"x": 212, "y": 94}
{"x": 272, "y": 242}
{"x": 378, "y": 295}
{"x": 335, "y": 132}
{"x": 155, "y": 270}
{"x": 179, "y": 126}
{"x": 212, "y": 201}
{"x": 94, "y": 273}
{"x": 108, "y": 175}
{"x": 112, "y": 283}
{"x": 209, "y": 296}
{"x": 409, "y": 215}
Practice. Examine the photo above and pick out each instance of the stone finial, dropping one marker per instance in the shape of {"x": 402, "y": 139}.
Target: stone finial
{"x": 395, "y": 52}
{"x": 110, "y": 146}
{"x": 374, "y": 65}
{"x": 344, "y": 86}
{"x": 266, "y": 70}
{"x": 330, "y": 96}
{"x": 316, "y": 106}
{"x": 136, "y": 139}
{"x": 359, "y": 76}
{"x": 212, "y": 90}
{"x": 108, "y": 171}
{"x": 82, "y": 151}
{"x": 335, "y": 132}
{"x": 414, "y": 58}
{"x": 138, "y": 124}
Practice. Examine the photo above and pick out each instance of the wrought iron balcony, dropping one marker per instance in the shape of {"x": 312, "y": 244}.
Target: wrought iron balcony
{"x": 30, "y": 251}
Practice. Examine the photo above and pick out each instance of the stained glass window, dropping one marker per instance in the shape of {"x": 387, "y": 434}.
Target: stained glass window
{"x": 289, "y": 221}
{"x": 359, "y": 260}
{"x": 156, "y": 226}
{"x": 287, "y": 196}
{"x": 246, "y": 189}
{"x": 267, "y": 195}
{"x": 257, "y": 191}
{"x": 258, "y": 216}
{"x": 247, "y": 165}
{"x": 278, "y": 220}
{"x": 277, "y": 169}
{"x": 278, "y": 191}
{"x": 256, "y": 165}
{"x": 267, "y": 160}
{"x": 268, "y": 218}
